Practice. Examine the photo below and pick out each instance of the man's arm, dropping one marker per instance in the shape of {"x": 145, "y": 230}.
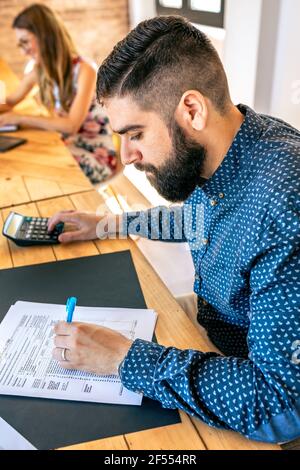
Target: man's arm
{"x": 258, "y": 397}
{"x": 158, "y": 223}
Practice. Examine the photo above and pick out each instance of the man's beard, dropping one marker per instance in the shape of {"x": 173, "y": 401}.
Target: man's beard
{"x": 179, "y": 175}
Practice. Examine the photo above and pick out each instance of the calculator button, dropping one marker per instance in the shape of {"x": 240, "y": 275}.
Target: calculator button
{"x": 27, "y": 235}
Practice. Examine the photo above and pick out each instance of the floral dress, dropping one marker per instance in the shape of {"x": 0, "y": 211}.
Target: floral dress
{"x": 92, "y": 146}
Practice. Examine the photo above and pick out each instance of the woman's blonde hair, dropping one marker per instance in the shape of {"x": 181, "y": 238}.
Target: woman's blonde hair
{"x": 57, "y": 52}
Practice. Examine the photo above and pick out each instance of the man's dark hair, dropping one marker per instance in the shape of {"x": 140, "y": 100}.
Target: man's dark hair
{"x": 158, "y": 61}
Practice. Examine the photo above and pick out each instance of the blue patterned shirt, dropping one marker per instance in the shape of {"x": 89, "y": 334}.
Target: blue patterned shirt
{"x": 243, "y": 229}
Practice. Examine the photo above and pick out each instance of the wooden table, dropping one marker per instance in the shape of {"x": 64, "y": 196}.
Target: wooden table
{"x": 40, "y": 169}
{"x": 173, "y": 326}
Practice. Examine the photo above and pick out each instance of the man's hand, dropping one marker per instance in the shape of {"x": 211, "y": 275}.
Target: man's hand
{"x": 91, "y": 348}
{"x": 84, "y": 225}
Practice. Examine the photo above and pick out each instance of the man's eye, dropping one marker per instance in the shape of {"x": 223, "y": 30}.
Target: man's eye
{"x": 136, "y": 137}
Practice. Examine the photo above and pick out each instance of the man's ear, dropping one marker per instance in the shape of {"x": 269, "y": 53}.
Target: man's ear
{"x": 191, "y": 112}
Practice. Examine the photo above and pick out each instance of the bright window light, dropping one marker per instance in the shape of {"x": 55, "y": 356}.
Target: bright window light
{"x": 213, "y": 6}
{"x": 171, "y": 3}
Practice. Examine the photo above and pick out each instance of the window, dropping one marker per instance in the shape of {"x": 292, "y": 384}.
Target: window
{"x": 206, "y": 12}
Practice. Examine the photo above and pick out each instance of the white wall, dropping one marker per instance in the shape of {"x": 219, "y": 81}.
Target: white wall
{"x": 140, "y": 10}
{"x": 268, "y": 42}
{"x": 285, "y": 100}
{"x": 242, "y": 25}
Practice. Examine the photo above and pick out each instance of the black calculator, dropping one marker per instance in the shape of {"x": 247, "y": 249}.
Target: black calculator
{"x": 25, "y": 231}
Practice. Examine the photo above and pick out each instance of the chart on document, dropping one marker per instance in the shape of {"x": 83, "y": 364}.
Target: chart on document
{"x": 26, "y": 344}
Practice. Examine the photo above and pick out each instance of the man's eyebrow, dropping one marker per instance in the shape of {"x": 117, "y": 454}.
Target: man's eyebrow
{"x": 132, "y": 127}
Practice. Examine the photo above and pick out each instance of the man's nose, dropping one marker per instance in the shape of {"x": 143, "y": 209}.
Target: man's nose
{"x": 129, "y": 156}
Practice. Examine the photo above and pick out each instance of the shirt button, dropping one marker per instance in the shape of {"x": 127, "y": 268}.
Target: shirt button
{"x": 213, "y": 202}
{"x": 205, "y": 241}
{"x": 221, "y": 195}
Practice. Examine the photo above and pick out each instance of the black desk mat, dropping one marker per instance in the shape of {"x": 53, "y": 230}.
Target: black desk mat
{"x": 107, "y": 281}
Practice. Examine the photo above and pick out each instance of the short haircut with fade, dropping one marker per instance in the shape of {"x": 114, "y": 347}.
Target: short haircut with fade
{"x": 158, "y": 61}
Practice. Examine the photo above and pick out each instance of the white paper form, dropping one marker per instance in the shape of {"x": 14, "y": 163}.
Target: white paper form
{"x": 10, "y": 439}
{"x": 26, "y": 343}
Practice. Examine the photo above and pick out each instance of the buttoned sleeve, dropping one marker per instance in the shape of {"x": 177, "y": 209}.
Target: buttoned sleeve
{"x": 258, "y": 397}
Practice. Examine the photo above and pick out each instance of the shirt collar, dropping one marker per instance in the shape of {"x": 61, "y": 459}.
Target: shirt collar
{"x": 235, "y": 170}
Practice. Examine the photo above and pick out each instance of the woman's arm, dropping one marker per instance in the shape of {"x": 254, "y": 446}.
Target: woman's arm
{"x": 26, "y": 84}
{"x": 70, "y": 123}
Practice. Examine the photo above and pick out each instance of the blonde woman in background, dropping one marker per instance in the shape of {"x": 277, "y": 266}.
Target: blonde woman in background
{"x": 67, "y": 84}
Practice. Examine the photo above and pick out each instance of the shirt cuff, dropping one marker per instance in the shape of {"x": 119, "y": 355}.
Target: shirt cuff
{"x": 138, "y": 368}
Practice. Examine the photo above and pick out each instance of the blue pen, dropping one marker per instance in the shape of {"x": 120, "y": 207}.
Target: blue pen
{"x": 70, "y": 307}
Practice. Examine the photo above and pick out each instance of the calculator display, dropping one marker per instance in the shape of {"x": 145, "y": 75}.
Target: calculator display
{"x": 14, "y": 225}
